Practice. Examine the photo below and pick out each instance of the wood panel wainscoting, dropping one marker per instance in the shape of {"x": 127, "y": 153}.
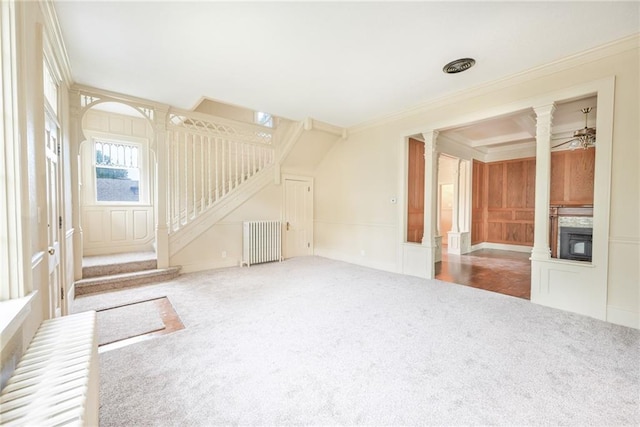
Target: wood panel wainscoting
{"x": 504, "y": 201}
{"x": 503, "y": 194}
{"x": 415, "y": 196}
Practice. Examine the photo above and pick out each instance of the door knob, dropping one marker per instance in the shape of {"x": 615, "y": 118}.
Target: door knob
{"x": 51, "y": 250}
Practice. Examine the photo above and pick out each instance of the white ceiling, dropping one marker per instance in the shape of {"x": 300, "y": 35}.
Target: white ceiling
{"x": 343, "y": 63}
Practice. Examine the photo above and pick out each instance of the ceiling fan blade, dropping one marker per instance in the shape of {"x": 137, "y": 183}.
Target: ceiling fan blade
{"x": 563, "y": 143}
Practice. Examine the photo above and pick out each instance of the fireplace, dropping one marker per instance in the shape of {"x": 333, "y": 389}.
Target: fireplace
{"x": 575, "y": 243}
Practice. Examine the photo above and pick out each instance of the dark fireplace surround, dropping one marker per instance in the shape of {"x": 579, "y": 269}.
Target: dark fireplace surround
{"x": 575, "y": 243}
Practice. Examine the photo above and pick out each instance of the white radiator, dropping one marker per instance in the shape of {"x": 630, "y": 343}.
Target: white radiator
{"x": 56, "y": 382}
{"x": 261, "y": 242}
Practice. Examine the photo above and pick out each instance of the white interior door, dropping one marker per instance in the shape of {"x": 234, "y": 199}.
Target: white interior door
{"x": 298, "y": 217}
{"x": 54, "y": 220}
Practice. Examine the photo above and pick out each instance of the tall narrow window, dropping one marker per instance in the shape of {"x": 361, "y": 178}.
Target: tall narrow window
{"x": 117, "y": 171}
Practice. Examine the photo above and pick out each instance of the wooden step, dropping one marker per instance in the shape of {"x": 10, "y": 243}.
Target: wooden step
{"x": 120, "y": 268}
{"x": 124, "y": 280}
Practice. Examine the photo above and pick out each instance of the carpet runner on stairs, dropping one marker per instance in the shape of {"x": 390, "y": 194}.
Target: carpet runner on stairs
{"x": 100, "y": 274}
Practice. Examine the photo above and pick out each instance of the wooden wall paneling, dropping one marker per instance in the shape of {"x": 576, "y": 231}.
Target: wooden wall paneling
{"x": 415, "y": 196}
{"x": 495, "y": 185}
{"x": 530, "y": 188}
{"x": 478, "y": 202}
{"x": 581, "y": 167}
{"x": 572, "y": 175}
{"x": 515, "y": 184}
{"x": 557, "y": 177}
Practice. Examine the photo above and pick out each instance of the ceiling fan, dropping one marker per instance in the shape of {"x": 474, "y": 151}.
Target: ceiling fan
{"x": 582, "y": 138}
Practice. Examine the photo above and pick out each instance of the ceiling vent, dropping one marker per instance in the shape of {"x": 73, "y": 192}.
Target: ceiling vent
{"x": 459, "y": 65}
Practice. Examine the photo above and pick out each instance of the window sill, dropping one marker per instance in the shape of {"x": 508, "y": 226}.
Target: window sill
{"x": 12, "y": 315}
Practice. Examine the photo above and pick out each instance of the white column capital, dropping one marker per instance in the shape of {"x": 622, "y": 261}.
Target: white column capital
{"x": 547, "y": 109}
{"x": 430, "y": 138}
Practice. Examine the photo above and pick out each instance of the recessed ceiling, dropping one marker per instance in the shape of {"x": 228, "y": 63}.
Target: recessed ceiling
{"x": 517, "y": 131}
{"x": 343, "y": 63}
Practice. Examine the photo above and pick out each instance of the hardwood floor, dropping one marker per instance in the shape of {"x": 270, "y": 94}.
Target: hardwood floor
{"x": 505, "y": 272}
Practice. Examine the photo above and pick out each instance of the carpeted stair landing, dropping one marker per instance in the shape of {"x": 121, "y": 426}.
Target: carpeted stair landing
{"x": 110, "y": 272}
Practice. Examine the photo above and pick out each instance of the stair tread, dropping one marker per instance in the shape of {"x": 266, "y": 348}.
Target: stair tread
{"x": 131, "y": 275}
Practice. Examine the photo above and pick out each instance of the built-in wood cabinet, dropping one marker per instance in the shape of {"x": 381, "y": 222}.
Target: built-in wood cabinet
{"x": 415, "y": 196}
{"x": 504, "y": 194}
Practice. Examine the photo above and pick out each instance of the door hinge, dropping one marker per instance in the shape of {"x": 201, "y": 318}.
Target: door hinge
{"x": 61, "y": 293}
{"x": 60, "y": 222}
{"x": 308, "y": 189}
{"x": 59, "y": 149}
{"x": 308, "y": 244}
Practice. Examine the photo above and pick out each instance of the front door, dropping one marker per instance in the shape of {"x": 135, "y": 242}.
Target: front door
{"x": 298, "y": 217}
{"x": 54, "y": 220}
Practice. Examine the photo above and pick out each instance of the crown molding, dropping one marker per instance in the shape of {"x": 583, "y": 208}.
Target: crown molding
{"x": 54, "y": 33}
{"x": 599, "y": 52}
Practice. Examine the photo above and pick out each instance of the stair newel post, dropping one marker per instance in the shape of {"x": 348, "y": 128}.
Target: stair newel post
{"x": 202, "y": 175}
{"x": 162, "y": 186}
{"x": 194, "y": 177}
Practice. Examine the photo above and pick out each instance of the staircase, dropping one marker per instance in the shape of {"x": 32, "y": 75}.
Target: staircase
{"x": 112, "y": 272}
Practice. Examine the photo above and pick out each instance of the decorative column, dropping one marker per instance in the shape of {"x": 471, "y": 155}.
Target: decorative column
{"x": 162, "y": 229}
{"x": 453, "y": 237}
{"x": 544, "y": 119}
{"x": 429, "y": 237}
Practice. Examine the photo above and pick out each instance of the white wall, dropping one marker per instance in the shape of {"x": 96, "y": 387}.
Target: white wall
{"x": 357, "y": 178}
{"x": 221, "y": 245}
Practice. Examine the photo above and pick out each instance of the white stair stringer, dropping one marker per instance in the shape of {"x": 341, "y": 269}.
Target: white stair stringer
{"x": 222, "y": 208}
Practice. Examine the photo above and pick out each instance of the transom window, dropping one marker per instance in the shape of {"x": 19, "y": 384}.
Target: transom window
{"x": 117, "y": 171}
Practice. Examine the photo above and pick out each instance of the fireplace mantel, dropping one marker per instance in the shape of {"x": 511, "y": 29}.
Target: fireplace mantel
{"x": 557, "y": 211}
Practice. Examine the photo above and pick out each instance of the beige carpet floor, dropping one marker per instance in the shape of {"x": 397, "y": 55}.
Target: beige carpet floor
{"x": 311, "y": 341}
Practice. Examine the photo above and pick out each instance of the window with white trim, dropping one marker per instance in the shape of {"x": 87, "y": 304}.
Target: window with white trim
{"x": 117, "y": 171}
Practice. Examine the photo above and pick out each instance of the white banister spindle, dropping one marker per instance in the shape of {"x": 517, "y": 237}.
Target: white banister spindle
{"x": 208, "y": 160}
{"x": 194, "y": 187}
{"x": 186, "y": 180}
{"x": 202, "y": 175}
{"x": 230, "y": 165}
{"x": 216, "y": 171}
{"x": 242, "y": 162}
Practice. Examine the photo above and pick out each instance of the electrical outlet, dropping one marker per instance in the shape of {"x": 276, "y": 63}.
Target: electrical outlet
{"x": 362, "y": 253}
{"x": 224, "y": 254}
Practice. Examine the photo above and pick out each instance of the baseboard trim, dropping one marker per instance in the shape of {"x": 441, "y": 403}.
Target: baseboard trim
{"x": 623, "y": 317}
{"x": 363, "y": 261}
{"x": 501, "y": 246}
{"x": 213, "y": 265}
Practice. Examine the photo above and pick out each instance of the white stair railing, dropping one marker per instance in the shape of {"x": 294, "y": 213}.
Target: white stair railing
{"x": 208, "y": 158}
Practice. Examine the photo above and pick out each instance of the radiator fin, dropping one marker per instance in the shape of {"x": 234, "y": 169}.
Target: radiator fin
{"x": 56, "y": 381}
{"x": 261, "y": 242}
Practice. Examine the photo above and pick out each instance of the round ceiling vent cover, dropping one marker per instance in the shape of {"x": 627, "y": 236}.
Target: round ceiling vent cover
{"x": 459, "y": 65}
